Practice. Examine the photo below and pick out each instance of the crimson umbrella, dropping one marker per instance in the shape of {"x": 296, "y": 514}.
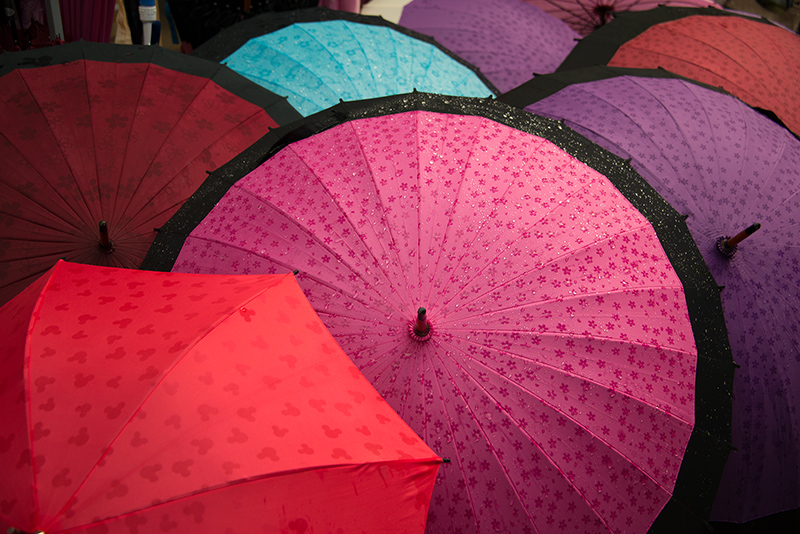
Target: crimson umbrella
{"x": 123, "y": 134}
{"x": 135, "y": 401}
{"x": 508, "y": 40}
{"x": 559, "y": 340}
{"x": 316, "y": 57}
{"x": 726, "y": 167}
{"x": 585, "y": 16}
{"x": 753, "y": 59}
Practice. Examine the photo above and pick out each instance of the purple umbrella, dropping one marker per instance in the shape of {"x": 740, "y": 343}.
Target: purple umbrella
{"x": 726, "y": 166}
{"x": 508, "y": 40}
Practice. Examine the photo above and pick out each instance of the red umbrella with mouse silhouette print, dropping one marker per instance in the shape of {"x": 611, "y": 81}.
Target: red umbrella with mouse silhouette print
{"x": 101, "y": 143}
{"x": 133, "y": 401}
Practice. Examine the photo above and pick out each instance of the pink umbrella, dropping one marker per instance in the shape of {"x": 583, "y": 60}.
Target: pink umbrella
{"x": 505, "y": 297}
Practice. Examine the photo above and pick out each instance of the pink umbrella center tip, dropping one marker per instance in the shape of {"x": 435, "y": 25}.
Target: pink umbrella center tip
{"x": 420, "y": 328}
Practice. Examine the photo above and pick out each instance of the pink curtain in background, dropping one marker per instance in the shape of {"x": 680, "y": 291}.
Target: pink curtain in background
{"x": 353, "y": 6}
{"x": 89, "y": 20}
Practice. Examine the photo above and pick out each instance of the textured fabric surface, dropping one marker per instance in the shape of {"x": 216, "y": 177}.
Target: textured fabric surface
{"x": 559, "y": 375}
{"x": 95, "y": 132}
{"x": 508, "y": 40}
{"x": 159, "y": 402}
{"x": 726, "y": 166}
{"x": 585, "y": 16}
{"x": 315, "y": 64}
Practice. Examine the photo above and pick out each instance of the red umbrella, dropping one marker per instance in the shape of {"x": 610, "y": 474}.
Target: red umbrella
{"x": 571, "y": 338}
{"x": 122, "y": 134}
{"x": 134, "y": 401}
{"x": 753, "y": 59}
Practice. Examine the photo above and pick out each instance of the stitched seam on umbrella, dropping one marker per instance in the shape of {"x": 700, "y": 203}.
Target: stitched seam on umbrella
{"x": 264, "y": 42}
{"x": 532, "y": 441}
{"x": 561, "y": 371}
{"x": 164, "y": 375}
{"x": 179, "y": 202}
{"x": 482, "y": 126}
{"x": 368, "y": 63}
{"x": 458, "y": 455}
{"x": 240, "y": 482}
{"x": 355, "y": 89}
{"x": 63, "y": 158}
{"x": 29, "y": 400}
{"x": 531, "y": 225}
{"x": 555, "y": 465}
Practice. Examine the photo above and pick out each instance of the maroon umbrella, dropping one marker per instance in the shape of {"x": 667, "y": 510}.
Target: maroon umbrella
{"x": 101, "y": 143}
{"x": 753, "y": 59}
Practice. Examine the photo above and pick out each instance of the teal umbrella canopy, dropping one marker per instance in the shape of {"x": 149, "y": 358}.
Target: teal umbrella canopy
{"x": 317, "y": 57}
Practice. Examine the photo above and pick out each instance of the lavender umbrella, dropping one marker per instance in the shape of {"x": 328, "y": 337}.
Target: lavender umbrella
{"x": 508, "y": 40}
{"x": 727, "y": 167}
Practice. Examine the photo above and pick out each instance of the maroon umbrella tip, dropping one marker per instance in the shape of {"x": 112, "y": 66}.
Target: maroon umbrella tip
{"x": 105, "y": 244}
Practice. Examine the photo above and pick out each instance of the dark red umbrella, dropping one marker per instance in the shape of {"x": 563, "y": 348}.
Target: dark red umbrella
{"x": 122, "y": 134}
{"x": 753, "y": 59}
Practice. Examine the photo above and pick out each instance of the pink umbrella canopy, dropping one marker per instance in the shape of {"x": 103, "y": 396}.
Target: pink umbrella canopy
{"x": 516, "y": 309}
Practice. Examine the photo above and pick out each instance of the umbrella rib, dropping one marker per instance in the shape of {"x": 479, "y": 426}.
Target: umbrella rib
{"x": 263, "y": 42}
{"x": 461, "y": 181}
{"x": 63, "y": 158}
{"x": 311, "y": 235}
{"x": 178, "y": 202}
{"x": 370, "y": 64}
{"x": 358, "y": 94}
{"x": 555, "y": 409}
{"x": 225, "y": 486}
{"x": 183, "y": 354}
{"x": 114, "y": 196}
{"x": 452, "y": 209}
{"x": 530, "y": 438}
{"x": 35, "y": 315}
{"x": 388, "y": 227}
{"x": 65, "y": 222}
{"x": 488, "y": 264}
{"x": 459, "y": 457}
{"x": 160, "y": 148}
{"x": 112, "y": 215}
{"x": 766, "y": 181}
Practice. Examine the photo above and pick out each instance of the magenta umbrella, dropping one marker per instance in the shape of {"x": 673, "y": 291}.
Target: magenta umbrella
{"x": 558, "y": 340}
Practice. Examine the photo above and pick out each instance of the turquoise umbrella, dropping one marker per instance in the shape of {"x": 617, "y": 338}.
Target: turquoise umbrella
{"x": 315, "y": 57}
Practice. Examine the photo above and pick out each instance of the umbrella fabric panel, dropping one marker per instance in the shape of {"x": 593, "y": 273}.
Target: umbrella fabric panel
{"x": 145, "y": 412}
{"x": 15, "y": 437}
{"x": 340, "y": 498}
{"x": 726, "y": 166}
{"x": 317, "y": 63}
{"x": 756, "y": 62}
{"x": 124, "y": 142}
{"x": 585, "y": 16}
{"x": 386, "y": 226}
{"x": 507, "y": 40}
